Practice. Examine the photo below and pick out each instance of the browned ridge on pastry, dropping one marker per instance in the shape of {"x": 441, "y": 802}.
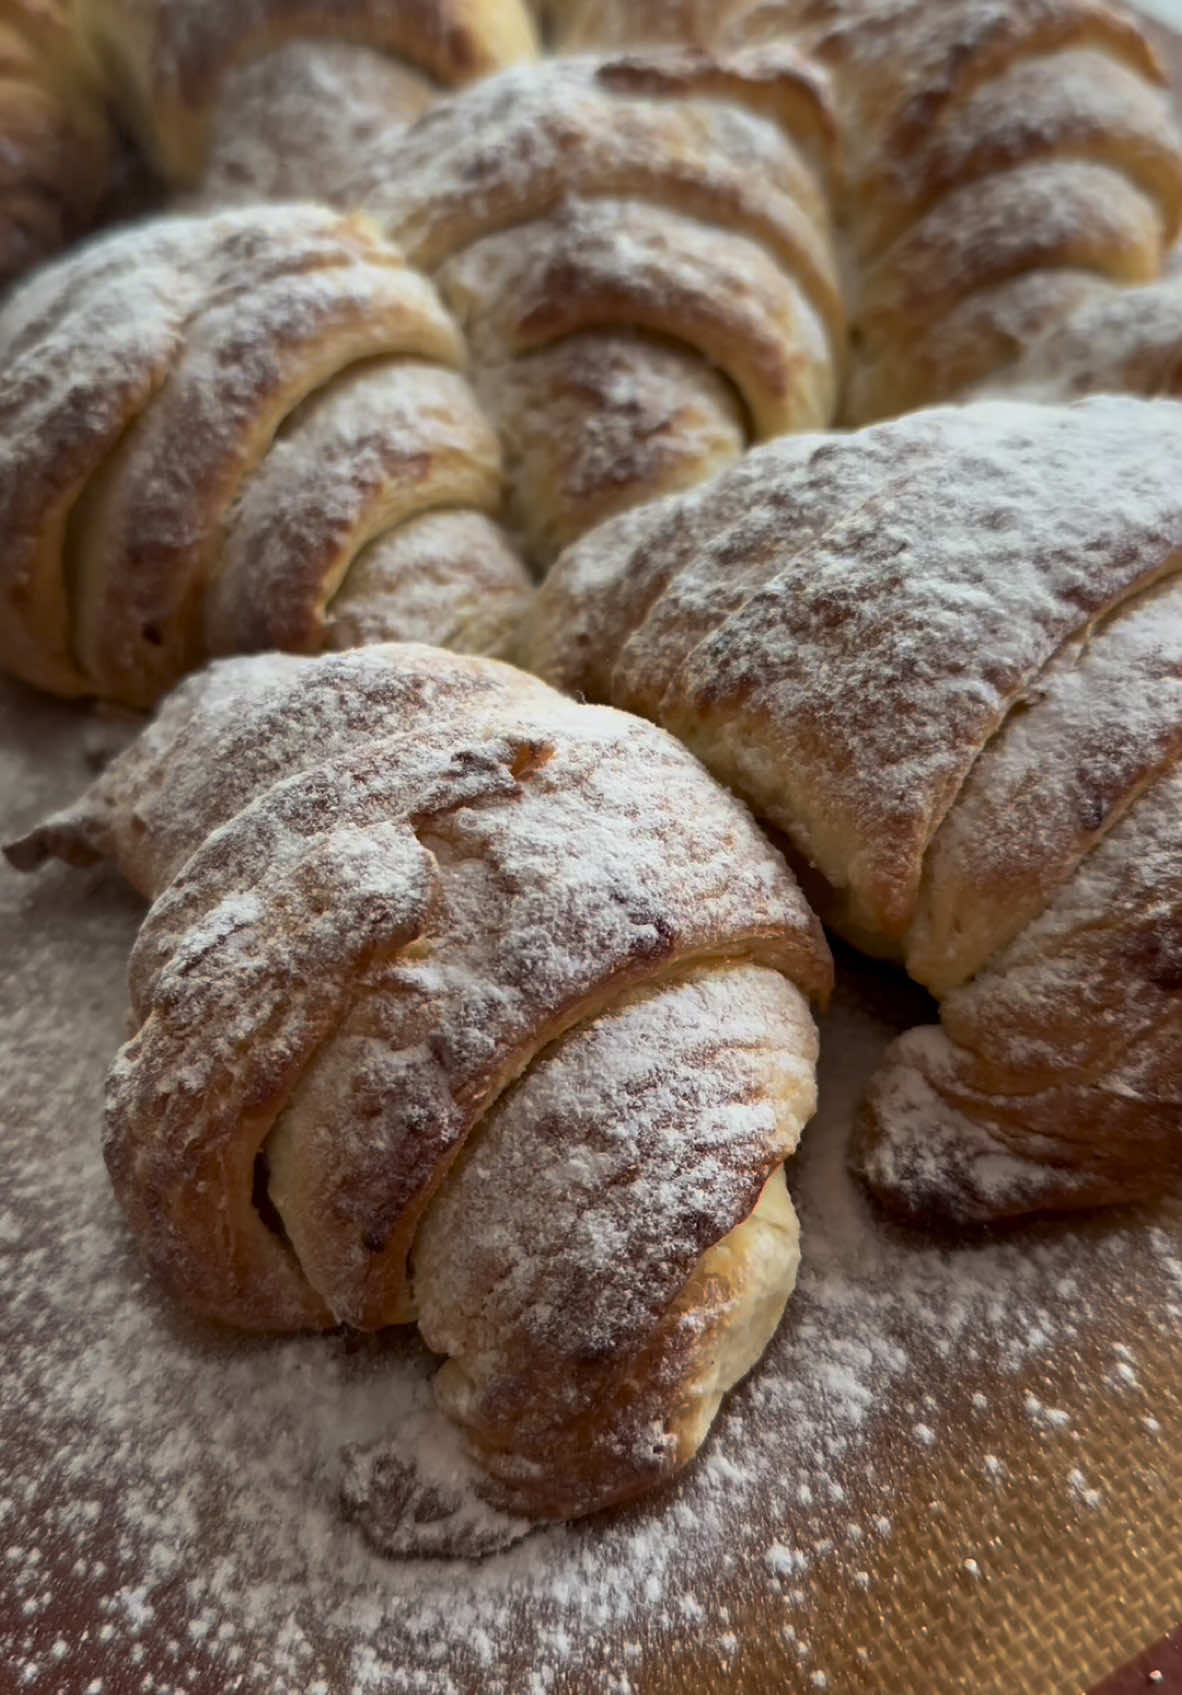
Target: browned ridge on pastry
{"x": 269, "y": 98}
{"x": 639, "y": 252}
{"x": 57, "y": 150}
{"x": 944, "y": 657}
{"x": 236, "y": 432}
{"x": 461, "y": 1001}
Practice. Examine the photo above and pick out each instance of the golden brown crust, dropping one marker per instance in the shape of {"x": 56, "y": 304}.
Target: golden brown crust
{"x": 574, "y": 26}
{"x": 501, "y": 800}
{"x": 370, "y": 451}
{"x": 606, "y": 264}
{"x": 1093, "y": 109}
{"x": 986, "y": 148}
{"x": 589, "y": 128}
{"x": 1054, "y": 1080}
{"x": 939, "y": 1147}
{"x": 766, "y": 619}
{"x": 1116, "y": 341}
{"x": 971, "y": 348}
{"x": 1018, "y": 141}
{"x": 449, "y": 578}
{"x": 159, "y": 503}
{"x": 907, "y": 65}
{"x": 583, "y": 1327}
{"x": 1037, "y": 216}
{"x": 600, "y": 422}
{"x": 1106, "y": 717}
{"x": 291, "y": 124}
{"x": 58, "y": 152}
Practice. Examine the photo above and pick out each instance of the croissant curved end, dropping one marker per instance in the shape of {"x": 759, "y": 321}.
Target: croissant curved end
{"x": 931, "y": 1160}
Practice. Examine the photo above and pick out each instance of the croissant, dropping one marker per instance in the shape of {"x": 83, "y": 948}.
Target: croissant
{"x": 57, "y": 150}
{"x": 460, "y": 1001}
{"x": 638, "y": 250}
{"x": 270, "y": 100}
{"x": 944, "y": 657}
{"x": 237, "y": 432}
{"x": 1003, "y": 164}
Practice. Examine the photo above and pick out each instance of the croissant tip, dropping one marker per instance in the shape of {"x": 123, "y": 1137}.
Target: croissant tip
{"x": 58, "y": 839}
{"x": 27, "y": 853}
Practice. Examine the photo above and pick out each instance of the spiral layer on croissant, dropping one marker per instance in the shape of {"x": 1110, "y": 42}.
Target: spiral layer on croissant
{"x": 208, "y": 421}
{"x": 639, "y": 253}
{"x": 943, "y": 657}
{"x": 291, "y": 123}
{"x": 457, "y": 999}
{"x": 577, "y": 26}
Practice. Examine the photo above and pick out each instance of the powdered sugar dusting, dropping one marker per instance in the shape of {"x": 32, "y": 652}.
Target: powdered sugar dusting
{"x": 563, "y": 204}
{"x": 170, "y": 1512}
{"x": 291, "y": 124}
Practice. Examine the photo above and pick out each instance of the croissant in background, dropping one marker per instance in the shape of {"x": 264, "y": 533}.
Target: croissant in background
{"x": 1004, "y": 164}
{"x": 463, "y": 1002}
{"x": 272, "y": 99}
{"x": 240, "y": 431}
{"x": 639, "y": 252}
{"x": 58, "y": 154}
{"x": 944, "y": 657}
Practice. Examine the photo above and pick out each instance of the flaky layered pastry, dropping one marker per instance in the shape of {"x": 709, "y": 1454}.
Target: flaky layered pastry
{"x": 1004, "y": 163}
{"x": 268, "y": 99}
{"x": 236, "y": 432}
{"x": 944, "y": 658}
{"x": 639, "y": 252}
{"x": 57, "y": 148}
{"x": 463, "y": 1002}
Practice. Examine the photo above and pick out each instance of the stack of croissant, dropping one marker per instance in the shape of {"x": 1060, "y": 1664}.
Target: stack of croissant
{"x": 476, "y": 386}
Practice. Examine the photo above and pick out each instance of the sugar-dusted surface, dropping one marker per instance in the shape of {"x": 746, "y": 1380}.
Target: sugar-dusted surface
{"x": 290, "y": 125}
{"x": 931, "y": 1429}
{"x": 805, "y": 621}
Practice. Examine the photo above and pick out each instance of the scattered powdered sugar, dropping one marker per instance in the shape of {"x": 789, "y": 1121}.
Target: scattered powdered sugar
{"x": 170, "y": 1503}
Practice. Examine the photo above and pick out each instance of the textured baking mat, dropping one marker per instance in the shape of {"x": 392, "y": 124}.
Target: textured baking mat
{"x": 959, "y": 1467}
